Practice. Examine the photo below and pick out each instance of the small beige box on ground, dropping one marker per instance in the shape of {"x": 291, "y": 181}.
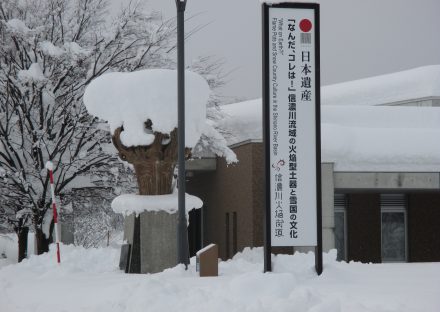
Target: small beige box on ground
{"x": 207, "y": 261}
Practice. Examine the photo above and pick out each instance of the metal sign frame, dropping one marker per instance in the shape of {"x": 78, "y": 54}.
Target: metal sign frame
{"x": 266, "y": 52}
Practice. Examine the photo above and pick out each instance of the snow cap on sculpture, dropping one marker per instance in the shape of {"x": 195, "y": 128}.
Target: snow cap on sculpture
{"x": 131, "y": 99}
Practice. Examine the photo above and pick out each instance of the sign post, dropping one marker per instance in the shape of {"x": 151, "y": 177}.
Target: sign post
{"x": 291, "y": 110}
{"x": 182, "y": 232}
{"x": 49, "y": 167}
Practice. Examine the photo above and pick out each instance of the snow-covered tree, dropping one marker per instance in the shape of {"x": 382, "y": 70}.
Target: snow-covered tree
{"x": 49, "y": 51}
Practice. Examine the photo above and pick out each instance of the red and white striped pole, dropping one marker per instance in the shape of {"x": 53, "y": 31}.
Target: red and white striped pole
{"x": 49, "y": 167}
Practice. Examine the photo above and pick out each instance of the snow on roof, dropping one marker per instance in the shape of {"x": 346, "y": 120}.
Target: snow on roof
{"x": 244, "y": 119}
{"x": 130, "y": 99}
{"x": 360, "y": 138}
{"x": 417, "y": 83}
{"x": 380, "y": 138}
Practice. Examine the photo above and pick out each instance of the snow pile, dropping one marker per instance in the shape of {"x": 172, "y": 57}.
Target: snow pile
{"x": 130, "y": 99}
{"x": 244, "y": 120}
{"x": 9, "y": 248}
{"x": 359, "y": 138}
{"x": 74, "y": 260}
{"x": 421, "y": 82}
{"x": 88, "y": 280}
{"x": 213, "y": 141}
{"x": 131, "y": 203}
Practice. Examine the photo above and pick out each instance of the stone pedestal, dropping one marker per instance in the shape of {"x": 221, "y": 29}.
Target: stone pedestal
{"x": 153, "y": 237}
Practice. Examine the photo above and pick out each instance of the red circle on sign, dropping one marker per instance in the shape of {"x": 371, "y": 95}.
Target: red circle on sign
{"x": 305, "y": 25}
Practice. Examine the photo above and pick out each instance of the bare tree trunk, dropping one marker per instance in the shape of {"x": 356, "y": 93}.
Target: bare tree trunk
{"x": 154, "y": 178}
{"x": 22, "y": 243}
{"x": 154, "y": 164}
{"x": 42, "y": 241}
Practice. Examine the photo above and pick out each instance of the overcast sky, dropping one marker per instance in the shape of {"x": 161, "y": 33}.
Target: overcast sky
{"x": 359, "y": 38}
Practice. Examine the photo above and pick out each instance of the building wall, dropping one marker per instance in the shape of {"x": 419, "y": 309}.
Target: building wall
{"x": 235, "y": 195}
{"x": 239, "y": 189}
{"x": 424, "y": 227}
{"x": 363, "y": 227}
{"x": 226, "y": 193}
{"x": 258, "y": 204}
{"x": 199, "y": 185}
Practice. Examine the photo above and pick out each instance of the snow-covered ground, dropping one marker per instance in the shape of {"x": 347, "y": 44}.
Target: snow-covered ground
{"x": 88, "y": 280}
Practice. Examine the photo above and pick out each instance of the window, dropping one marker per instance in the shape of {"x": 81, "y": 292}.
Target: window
{"x": 393, "y": 228}
{"x": 340, "y": 227}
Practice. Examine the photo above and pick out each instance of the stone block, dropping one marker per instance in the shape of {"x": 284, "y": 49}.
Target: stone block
{"x": 155, "y": 249}
{"x": 207, "y": 261}
{"x": 158, "y": 237}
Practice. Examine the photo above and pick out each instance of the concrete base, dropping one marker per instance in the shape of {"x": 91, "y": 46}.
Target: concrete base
{"x": 158, "y": 241}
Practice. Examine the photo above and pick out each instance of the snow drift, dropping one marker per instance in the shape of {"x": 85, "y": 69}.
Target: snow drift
{"x": 89, "y": 280}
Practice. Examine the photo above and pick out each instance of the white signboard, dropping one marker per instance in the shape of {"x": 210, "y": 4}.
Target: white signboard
{"x": 292, "y": 131}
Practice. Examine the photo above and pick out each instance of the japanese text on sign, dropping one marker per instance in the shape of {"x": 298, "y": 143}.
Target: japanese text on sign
{"x": 292, "y": 127}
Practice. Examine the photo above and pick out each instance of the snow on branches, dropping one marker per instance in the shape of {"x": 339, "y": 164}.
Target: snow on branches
{"x": 50, "y": 50}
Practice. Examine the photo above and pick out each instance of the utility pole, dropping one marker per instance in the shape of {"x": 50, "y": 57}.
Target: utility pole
{"x": 182, "y": 232}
